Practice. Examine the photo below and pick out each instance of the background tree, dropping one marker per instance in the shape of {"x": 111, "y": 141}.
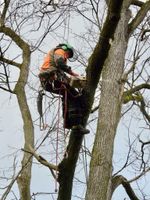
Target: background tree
{"x": 125, "y": 80}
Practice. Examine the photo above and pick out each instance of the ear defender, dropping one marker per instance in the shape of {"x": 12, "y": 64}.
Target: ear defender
{"x": 64, "y": 47}
{"x": 67, "y": 47}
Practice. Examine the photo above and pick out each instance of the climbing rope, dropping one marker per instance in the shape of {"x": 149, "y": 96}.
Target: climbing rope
{"x": 39, "y": 102}
{"x": 57, "y": 139}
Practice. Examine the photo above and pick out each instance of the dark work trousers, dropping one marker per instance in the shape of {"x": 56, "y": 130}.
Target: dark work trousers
{"x": 72, "y": 101}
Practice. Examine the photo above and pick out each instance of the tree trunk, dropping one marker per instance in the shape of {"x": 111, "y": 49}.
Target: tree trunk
{"x": 67, "y": 167}
{"x": 96, "y": 61}
{"x": 99, "y": 184}
{"x": 25, "y": 177}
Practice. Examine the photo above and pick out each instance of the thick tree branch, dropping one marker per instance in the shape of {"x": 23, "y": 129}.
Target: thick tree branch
{"x": 139, "y": 17}
{"x": 137, "y": 3}
{"x": 118, "y": 180}
{"x": 137, "y": 88}
{"x": 130, "y": 96}
{"x": 10, "y": 62}
{"x": 13, "y": 35}
{"x": 134, "y": 95}
{"x": 99, "y": 55}
{"x": 42, "y": 160}
{"x": 26, "y": 56}
{"x": 26, "y": 59}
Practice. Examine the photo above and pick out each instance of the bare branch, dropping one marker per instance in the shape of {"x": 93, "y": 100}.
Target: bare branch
{"x": 9, "y": 187}
{"x": 142, "y": 108}
{"x": 140, "y": 175}
{"x": 134, "y": 95}
{"x": 15, "y": 178}
{"x": 137, "y": 88}
{"x": 7, "y": 90}
{"x": 125, "y": 75}
{"x": 16, "y": 38}
{"x": 139, "y": 17}
{"x": 118, "y": 180}
{"x": 3, "y": 15}
{"x": 42, "y": 160}
{"x": 142, "y": 151}
{"x": 10, "y": 62}
{"x": 137, "y": 3}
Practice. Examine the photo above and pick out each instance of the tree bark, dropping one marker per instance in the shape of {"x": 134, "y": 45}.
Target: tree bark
{"x": 96, "y": 61}
{"x": 25, "y": 177}
{"x": 67, "y": 167}
{"x": 99, "y": 184}
{"x": 118, "y": 180}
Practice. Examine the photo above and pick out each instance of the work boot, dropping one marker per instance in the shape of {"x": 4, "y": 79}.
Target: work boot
{"x": 81, "y": 129}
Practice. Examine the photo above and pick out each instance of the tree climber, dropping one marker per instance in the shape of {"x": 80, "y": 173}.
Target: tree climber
{"x": 54, "y": 79}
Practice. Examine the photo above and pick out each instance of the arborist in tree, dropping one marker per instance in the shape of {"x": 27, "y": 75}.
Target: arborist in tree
{"x": 54, "y": 79}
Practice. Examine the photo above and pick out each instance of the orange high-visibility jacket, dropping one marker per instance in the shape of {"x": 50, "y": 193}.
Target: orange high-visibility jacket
{"x": 55, "y": 59}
